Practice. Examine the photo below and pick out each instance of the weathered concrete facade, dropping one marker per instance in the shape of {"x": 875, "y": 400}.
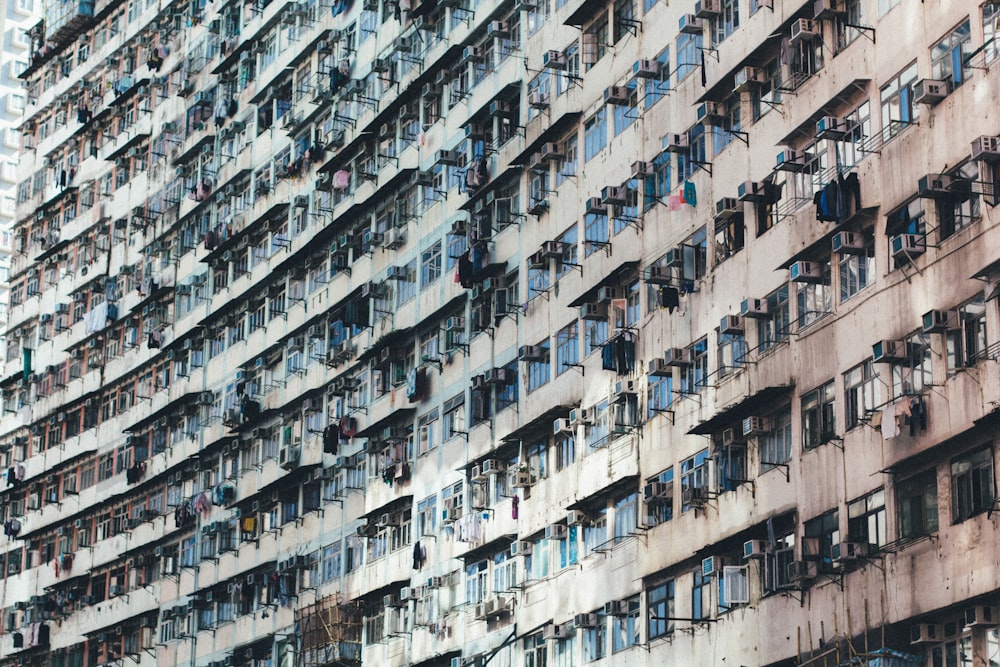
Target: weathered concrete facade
{"x": 538, "y": 333}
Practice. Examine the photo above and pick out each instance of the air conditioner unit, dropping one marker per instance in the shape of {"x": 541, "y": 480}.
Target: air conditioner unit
{"x": 580, "y": 417}
{"x": 889, "y": 351}
{"x": 498, "y": 108}
{"x": 554, "y": 631}
{"x": 676, "y": 356}
{"x": 826, "y": 9}
{"x": 756, "y": 426}
{"x": 848, "y": 243}
{"x": 707, "y": 9}
{"x": 731, "y": 324}
{"x": 691, "y": 24}
{"x": 554, "y": 249}
{"x": 531, "y": 353}
{"x": 908, "y": 245}
{"x": 675, "y": 143}
{"x": 658, "y": 275}
{"x": 804, "y": 29}
{"x": 754, "y": 549}
{"x": 711, "y": 113}
{"x": 926, "y": 633}
{"x": 596, "y": 206}
{"x": 800, "y": 571}
{"x": 727, "y": 207}
{"x": 830, "y": 127}
{"x": 934, "y": 185}
{"x": 585, "y": 621}
{"x": 575, "y": 518}
{"x": 695, "y": 496}
{"x": 658, "y": 368}
{"x": 647, "y": 69}
{"x": 848, "y": 551}
{"x": 982, "y": 615}
{"x": 471, "y": 54}
{"x": 446, "y": 157}
{"x": 617, "y": 95}
{"x": 986, "y": 148}
{"x": 939, "y": 321}
{"x": 554, "y": 60}
{"x": 746, "y": 78}
{"x": 521, "y": 548}
{"x": 805, "y": 272}
{"x": 538, "y": 100}
{"x": 930, "y": 91}
{"x": 710, "y": 566}
{"x": 391, "y": 600}
{"x": 556, "y": 531}
{"x": 750, "y": 191}
{"x": 616, "y": 608}
{"x": 790, "y": 160}
{"x": 551, "y": 150}
{"x": 562, "y": 425}
{"x": 655, "y": 492}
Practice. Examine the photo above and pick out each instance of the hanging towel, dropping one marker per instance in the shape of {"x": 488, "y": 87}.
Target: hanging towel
{"x": 889, "y": 427}
{"x": 690, "y": 193}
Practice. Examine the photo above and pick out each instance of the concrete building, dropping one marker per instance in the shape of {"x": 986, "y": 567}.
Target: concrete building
{"x": 15, "y": 21}
{"x": 557, "y": 332}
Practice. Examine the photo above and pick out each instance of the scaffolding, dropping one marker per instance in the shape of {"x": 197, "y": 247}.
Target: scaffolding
{"x": 329, "y": 633}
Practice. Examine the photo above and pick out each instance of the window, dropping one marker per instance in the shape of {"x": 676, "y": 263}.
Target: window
{"x": 701, "y": 595}
{"x": 539, "y": 371}
{"x": 624, "y": 19}
{"x": 917, "y": 504}
{"x": 595, "y": 134}
{"x": 430, "y": 265}
{"x": 454, "y": 417}
{"x": 966, "y": 344}
{"x": 991, "y": 23}
{"x": 776, "y": 445}
{"x": 818, "y": 416}
{"x": 898, "y": 108}
{"x": 866, "y": 519}
{"x": 773, "y": 329}
{"x": 657, "y": 87}
{"x": 535, "y": 650}
{"x": 570, "y": 255}
{"x": 688, "y": 54}
{"x": 626, "y": 515}
{"x": 657, "y": 186}
{"x": 857, "y": 270}
{"x": 564, "y": 652}
{"x": 694, "y": 376}
{"x": 732, "y": 352}
{"x": 659, "y": 394}
{"x": 625, "y": 631}
{"x": 566, "y": 166}
{"x": 596, "y": 233}
{"x": 913, "y": 374}
{"x": 821, "y": 534}
{"x": 910, "y": 219}
{"x": 662, "y": 509}
{"x": 427, "y": 432}
{"x": 723, "y": 24}
{"x": 948, "y": 56}
{"x": 962, "y": 208}
{"x": 565, "y": 445}
{"x": 625, "y": 114}
{"x": 972, "y": 484}
{"x": 660, "y": 609}
{"x": 567, "y": 347}
{"x": 595, "y": 639}
{"x": 694, "y": 474}
{"x": 859, "y": 393}
{"x": 813, "y": 300}
{"x": 730, "y": 237}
